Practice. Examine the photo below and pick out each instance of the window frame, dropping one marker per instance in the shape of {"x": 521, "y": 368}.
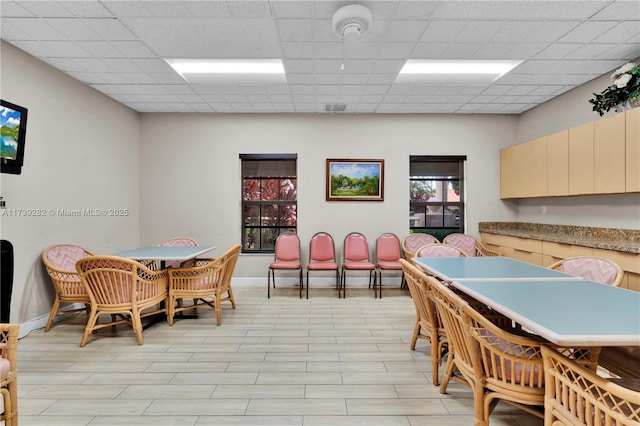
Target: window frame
{"x": 439, "y": 231}
{"x": 263, "y": 228}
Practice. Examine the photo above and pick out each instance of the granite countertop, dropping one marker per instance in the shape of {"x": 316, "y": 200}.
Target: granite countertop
{"x": 622, "y": 240}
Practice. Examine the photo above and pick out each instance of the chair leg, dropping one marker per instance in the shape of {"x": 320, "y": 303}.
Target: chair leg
{"x": 300, "y": 283}
{"x": 448, "y": 372}
{"x": 136, "y": 323}
{"x": 218, "y": 308}
{"x": 231, "y": 299}
{"x": 416, "y": 333}
{"x": 435, "y": 355}
{"x": 269, "y": 283}
{"x": 91, "y": 322}
{"x": 54, "y": 312}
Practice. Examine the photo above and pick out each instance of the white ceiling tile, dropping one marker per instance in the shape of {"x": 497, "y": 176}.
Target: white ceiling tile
{"x": 356, "y": 79}
{"x": 296, "y": 79}
{"x": 620, "y": 33}
{"x": 558, "y": 51}
{"x": 415, "y": 9}
{"x": 92, "y": 65}
{"x": 461, "y": 50}
{"x": 297, "y": 50}
{"x": 361, "y": 50}
{"x": 167, "y": 78}
{"x": 141, "y": 78}
{"x": 86, "y": 9}
{"x": 36, "y": 28}
{"x": 292, "y": 9}
{"x": 328, "y": 79}
{"x": 328, "y": 50}
{"x": 110, "y": 29}
{"x": 519, "y": 90}
{"x": 208, "y": 9}
{"x": 190, "y": 99}
{"x": 86, "y": 77}
{"x": 257, "y": 98}
{"x": 382, "y": 78}
{"x": 295, "y": 29}
{"x": 443, "y": 31}
{"x": 102, "y": 49}
{"x": 65, "y": 49}
{"x": 388, "y": 66}
{"x": 250, "y": 9}
{"x": 294, "y": 66}
{"x": 479, "y": 31}
{"x": 406, "y": 31}
{"x": 323, "y": 31}
{"x": 48, "y": 9}
{"x": 327, "y": 66}
{"x": 73, "y": 28}
{"x": 395, "y": 50}
{"x": 357, "y": 66}
{"x": 552, "y": 31}
{"x": 127, "y": 9}
{"x": 121, "y": 64}
{"x": 327, "y": 89}
{"x": 495, "y": 51}
{"x": 511, "y": 10}
{"x": 516, "y": 31}
{"x": 621, "y": 9}
{"x": 429, "y": 50}
{"x": 113, "y": 77}
{"x": 624, "y": 51}
{"x": 64, "y": 64}
{"x": 372, "y": 98}
{"x": 133, "y": 49}
{"x": 589, "y": 51}
{"x": 587, "y": 31}
{"x": 12, "y": 9}
{"x": 153, "y": 65}
{"x": 171, "y": 9}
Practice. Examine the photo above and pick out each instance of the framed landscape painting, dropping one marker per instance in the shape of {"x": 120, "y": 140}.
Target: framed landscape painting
{"x": 355, "y": 180}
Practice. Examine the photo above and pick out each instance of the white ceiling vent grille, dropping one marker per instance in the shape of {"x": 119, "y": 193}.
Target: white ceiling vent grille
{"x": 335, "y": 107}
{"x": 352, "y": 21}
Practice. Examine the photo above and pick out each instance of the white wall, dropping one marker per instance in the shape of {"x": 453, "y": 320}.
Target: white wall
{"x": 81, "y": 152}
{"x": 190, "y": 173}
{"x": 607, "y": 211}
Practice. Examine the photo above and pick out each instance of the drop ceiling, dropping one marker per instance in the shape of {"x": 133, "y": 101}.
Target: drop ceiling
{"x": 118, "y": 48}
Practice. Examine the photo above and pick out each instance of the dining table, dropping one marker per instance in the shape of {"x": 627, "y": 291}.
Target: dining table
{"x": 564, "y": 309}
{"x": 164, "y": 255}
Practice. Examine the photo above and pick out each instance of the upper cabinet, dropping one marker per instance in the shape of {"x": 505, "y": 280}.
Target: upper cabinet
{"x": 558, "y": 164}
{"x": 632, "y": 157}
{"x": 598, "y": 157}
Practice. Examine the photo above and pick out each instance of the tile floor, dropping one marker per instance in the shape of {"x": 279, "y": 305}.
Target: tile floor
{"x": 278, "y": 361}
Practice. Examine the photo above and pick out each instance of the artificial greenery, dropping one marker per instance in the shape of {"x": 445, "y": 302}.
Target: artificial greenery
{"x": 625, "y": 89}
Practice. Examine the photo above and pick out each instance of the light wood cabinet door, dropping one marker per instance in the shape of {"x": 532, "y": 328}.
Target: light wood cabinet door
{"x": 514, "y": 172}
{"x": 609, "y": 155}
{"x": 538, "y": 167}
{"x": 632, "y": 125}
{"x": 581, "y": 176}
{"x": 558, "y": 163}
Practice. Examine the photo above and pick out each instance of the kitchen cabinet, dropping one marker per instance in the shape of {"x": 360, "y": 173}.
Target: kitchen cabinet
{"x": 537, "y": 161}
{"x": 609, "y": 155}
{"x": 581, "y": 174}
{"x": 558, "y": 163}
{"x": 632, "y": 157}
{"x": 527, "y": 250}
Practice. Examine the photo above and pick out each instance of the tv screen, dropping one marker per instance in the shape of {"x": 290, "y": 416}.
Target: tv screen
{"x": 13, "y": 128}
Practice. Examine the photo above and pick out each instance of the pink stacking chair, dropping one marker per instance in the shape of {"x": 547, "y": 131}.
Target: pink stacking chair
{"x": 592, "y": 268}
{"x": 286, "y": 257}
{"x": 469, "y": 244}
{"x": 388, "y": 255}
{"x": 355, "y": 258}
{"x": 60, "y": 261}
{"x": 322, "y": 256}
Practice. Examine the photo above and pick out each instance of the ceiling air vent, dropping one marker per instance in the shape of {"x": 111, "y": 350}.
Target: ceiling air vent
{"x": 335, "y": 107}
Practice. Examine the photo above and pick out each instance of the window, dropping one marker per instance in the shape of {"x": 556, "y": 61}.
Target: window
{"x": 436, "y": 203}
{"x": 269, "y": 200}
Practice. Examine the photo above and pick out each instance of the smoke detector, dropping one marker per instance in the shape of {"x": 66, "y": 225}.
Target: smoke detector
{"x": 352, "y": 21}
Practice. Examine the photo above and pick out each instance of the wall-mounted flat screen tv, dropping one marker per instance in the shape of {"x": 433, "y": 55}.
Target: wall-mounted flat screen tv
{"x": 13, "y": 129}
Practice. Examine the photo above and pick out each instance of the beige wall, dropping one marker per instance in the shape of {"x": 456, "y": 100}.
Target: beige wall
{"x": 81, "y": 152}
{"x": 190, "y": 176}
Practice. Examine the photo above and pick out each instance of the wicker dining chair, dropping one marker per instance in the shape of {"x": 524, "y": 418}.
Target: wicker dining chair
{"x": 9, "y": 373}
{"x": 230, "y": 259}
{"x": 201, "y": 282}
{"x": 471, "y": 246}
{"x": 177, "y": 242}
{"x": 60, "y": 262}
{"x": 577, "y": 396}
{"x": 413, "y": 242}
{"x": 427, "y": 320}
{"x": 122, "y": 288}
{"x": 496, "y": 364}
{"x": 592, "y": 268}
{"x": 439, "y": 250}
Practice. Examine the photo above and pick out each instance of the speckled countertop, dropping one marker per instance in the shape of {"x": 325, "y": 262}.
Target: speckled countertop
{"x": 623, "y": 240}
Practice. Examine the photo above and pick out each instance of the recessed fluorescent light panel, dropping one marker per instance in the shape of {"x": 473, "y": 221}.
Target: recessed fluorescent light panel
{"x": 229, "y": 70}
{"x": 454, "y": 71}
